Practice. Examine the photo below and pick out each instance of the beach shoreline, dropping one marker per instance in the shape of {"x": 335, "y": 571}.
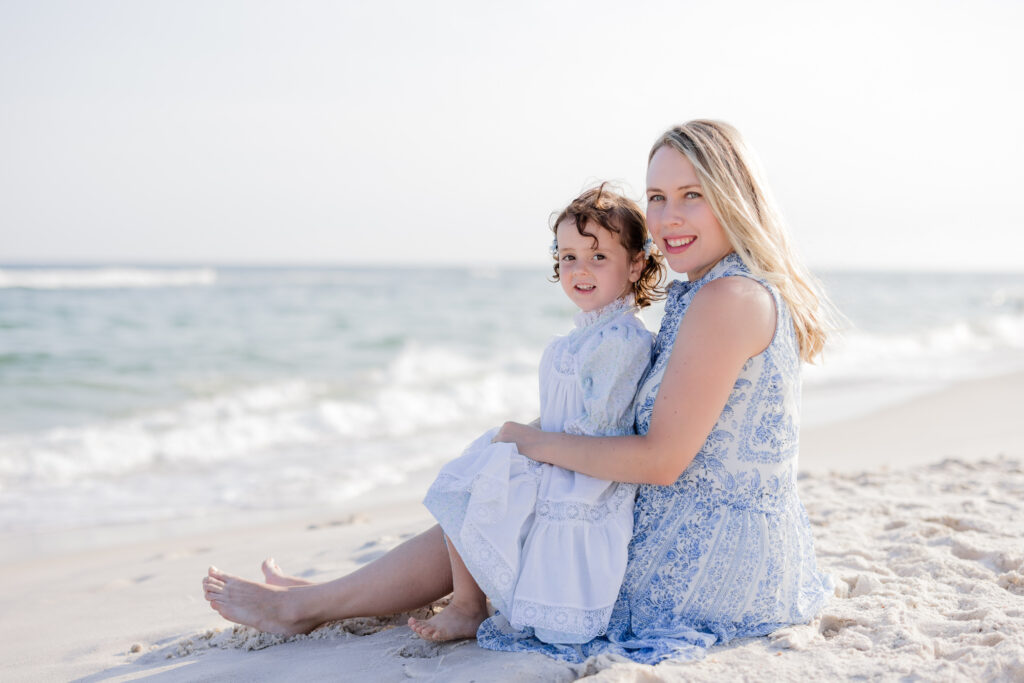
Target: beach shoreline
{"x": 972, "y": 418}
{"x": 917, "y": 509}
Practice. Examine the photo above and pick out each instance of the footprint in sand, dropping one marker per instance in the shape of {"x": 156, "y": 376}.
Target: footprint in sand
{"x": 356, "y": 518}
{"x": 178, "y": 554}
{"x": 831, "y": 625}
{"x": 419, "y": 649}
{"x": 961, "y": 523}
{"x": 1013, "y": 581}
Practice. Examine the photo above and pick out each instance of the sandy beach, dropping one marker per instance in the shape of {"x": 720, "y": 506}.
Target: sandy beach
{"x": 266, "y": 267}
{"x": 918, "y": 514}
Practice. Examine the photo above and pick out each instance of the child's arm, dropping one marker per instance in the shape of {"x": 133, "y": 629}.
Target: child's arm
{"x": 729, "y": 321}
{"x": 612, "y": 364}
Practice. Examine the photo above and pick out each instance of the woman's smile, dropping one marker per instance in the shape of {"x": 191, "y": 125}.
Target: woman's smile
{"x": 677, "y": 245}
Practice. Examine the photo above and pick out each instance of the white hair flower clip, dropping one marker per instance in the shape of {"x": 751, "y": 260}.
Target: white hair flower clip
{"x": 648, "y": 245}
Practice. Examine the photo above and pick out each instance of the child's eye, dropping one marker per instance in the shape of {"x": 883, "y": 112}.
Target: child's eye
{"x": 568, "y": 257}
{"x": 598, "y": 257}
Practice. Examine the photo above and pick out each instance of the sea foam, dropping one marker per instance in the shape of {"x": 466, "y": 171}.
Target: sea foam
{"x": 104, "y": 278}
{"x": 285, "y": 444}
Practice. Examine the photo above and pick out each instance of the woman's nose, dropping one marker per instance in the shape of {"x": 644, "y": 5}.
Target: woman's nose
{"x": 673, "y": 214}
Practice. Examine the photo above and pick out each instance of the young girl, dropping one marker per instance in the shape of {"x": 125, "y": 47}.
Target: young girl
{"x": 547, "y": 545}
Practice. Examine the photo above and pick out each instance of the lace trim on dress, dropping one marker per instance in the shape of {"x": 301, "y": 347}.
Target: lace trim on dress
{"x": 576, "y": 625}
{"x": 561, "y": 511}
{"x": 589, "y": 318}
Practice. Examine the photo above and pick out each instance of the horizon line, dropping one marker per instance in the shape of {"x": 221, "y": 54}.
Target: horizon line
{"x": 311, "y": 265}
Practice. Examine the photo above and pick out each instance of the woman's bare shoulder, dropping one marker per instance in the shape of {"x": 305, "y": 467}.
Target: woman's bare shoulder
{"x": 736, "y": 307}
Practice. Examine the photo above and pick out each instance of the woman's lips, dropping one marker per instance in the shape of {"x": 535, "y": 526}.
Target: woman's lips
{"x": 677, "y": 245}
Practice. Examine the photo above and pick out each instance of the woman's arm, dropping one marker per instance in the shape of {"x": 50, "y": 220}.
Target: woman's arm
{"x": 729, "y": 320}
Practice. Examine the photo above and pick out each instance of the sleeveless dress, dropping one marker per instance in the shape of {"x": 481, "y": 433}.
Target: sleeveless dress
{"x": 512, "y": 519}
{"x": 726, "y": 551}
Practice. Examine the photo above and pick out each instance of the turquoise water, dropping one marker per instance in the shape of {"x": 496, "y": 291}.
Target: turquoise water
{"x": 135, "y": 394}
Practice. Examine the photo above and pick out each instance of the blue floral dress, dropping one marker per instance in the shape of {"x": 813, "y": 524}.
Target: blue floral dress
{"x": 726, "y": 551}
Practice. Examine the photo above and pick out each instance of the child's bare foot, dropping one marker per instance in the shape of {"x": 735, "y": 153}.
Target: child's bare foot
{"x": 457, "y": 621}
{"x": 265, "y": 607}
{"x": 276, "y": 577}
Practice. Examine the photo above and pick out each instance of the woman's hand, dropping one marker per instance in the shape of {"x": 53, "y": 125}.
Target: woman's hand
{"x": 519, "y": 434}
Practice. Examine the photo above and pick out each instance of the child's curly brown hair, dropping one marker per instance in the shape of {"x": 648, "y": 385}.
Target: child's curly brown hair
{"x": 624, "y": 217}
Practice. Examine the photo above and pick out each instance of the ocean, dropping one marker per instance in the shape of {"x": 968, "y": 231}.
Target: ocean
{"x": 138, "y": 395}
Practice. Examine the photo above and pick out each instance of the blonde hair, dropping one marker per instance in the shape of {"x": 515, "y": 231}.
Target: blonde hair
{"x": 739, "y": 197}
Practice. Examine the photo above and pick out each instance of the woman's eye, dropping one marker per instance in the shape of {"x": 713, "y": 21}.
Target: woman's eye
{"x": 655, "y": 198}
{"x": 692, "y": 195}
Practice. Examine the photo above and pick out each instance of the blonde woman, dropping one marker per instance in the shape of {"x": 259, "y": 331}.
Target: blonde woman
{"x": 721, "y": 545}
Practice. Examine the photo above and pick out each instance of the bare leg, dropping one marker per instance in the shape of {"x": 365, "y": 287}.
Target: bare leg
{"x": 465, "y": 613}
{"x": 414, "y": 574}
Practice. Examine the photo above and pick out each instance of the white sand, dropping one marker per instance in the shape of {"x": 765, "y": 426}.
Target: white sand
{"x": 927, "y": 552}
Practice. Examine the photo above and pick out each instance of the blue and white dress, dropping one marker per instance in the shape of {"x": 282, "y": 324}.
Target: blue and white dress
{"x": 726, "y": 551}
{"x": 548, "y": 545}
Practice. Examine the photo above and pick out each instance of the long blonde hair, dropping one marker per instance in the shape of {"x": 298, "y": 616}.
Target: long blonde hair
{"x": 735, "y": 188}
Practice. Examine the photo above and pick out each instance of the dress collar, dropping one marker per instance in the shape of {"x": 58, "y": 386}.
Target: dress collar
{"x": 585, "y": 319}
{"x": 730, "y": 260}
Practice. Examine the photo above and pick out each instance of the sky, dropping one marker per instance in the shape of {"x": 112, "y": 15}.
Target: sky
{"x": 445, "y": 133}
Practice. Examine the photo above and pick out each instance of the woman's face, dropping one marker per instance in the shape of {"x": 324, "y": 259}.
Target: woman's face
{"x": 679, "y": 216}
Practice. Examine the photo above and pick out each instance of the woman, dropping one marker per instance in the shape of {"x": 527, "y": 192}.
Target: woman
{"x": 721, "y": 546}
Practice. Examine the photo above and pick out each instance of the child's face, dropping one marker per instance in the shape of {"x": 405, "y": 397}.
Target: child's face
{"x": 594, "y": 275}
